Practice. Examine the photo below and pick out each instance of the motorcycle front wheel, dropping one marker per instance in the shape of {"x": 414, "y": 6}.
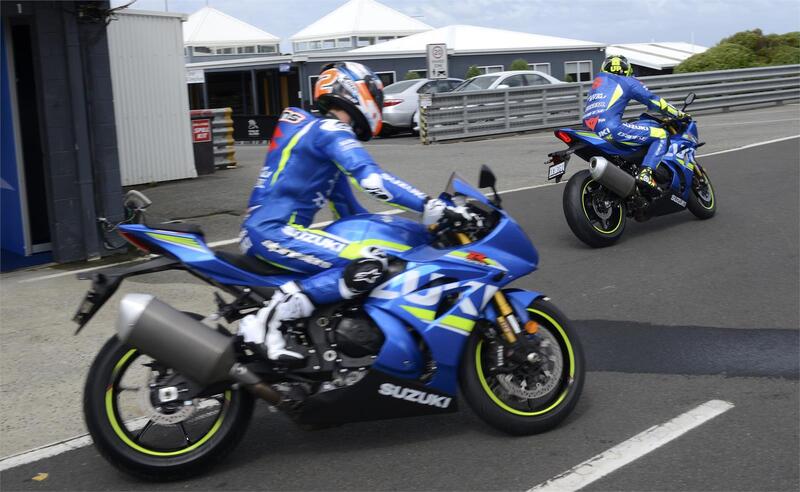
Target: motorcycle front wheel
{"x": 143, "y": 437}
{"x": 523, "y": 398}
{"x": 702, "y": 200}
{"x": 594, "y": 214}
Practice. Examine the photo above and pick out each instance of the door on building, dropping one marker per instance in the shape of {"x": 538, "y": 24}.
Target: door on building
{"x": 21, "y": 91}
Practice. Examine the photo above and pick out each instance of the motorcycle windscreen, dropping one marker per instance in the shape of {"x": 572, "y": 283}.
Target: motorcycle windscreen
{"x": 459, "y": 186}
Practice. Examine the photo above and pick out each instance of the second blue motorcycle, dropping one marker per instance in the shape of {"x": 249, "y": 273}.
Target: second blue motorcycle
{"x": 598, "y": 201}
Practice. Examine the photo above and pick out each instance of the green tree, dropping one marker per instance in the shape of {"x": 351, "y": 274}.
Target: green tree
{"x": 721, "y": 57}
{"x": 472, "y": 71}
{"x": 411, "y": 75}
{"x": 519, "y": 64}
{"x": 746, "y": 49}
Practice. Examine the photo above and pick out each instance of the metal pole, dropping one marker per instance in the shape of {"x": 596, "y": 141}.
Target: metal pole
{"x": 253, "y": 91}
{"x": 205, "y": 94}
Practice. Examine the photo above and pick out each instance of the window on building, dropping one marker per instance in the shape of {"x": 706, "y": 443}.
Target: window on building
{"x": 301, "y": 46}
{"x": 578, "y": 71}
{"x": 329, "y": 44}
{"x": 202, "y": 50}
{"x": 267, "y": 48}
{"x": 385, "y": 38}
{"x": 314, "y": 45}
{"x": 312, "y": 81}
{"x": 226, "y": 50}
{"x": 344, "y": 43}
{"x": 246, "y": 49}
{"x": 491, "y": 69}
{"x": 365, "y": 41}
{"x": 386, "y": 77}
{"x": 421, "y": 72}
{"x": 540, "y": 67}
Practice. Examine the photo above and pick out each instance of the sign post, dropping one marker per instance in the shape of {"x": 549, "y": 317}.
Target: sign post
{"x": 437, "y": 61}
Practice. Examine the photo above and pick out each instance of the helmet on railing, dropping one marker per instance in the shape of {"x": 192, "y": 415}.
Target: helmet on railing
{"x": 617, "y": 64}
{"x": 355, "y": 89}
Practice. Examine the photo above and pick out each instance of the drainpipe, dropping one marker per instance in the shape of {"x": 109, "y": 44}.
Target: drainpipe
{"x": 80, "y": 125}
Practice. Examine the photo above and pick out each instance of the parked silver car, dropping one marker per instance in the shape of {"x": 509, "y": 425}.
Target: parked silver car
{"x": 506, "y": 80}
{"x": 401, "y": 101}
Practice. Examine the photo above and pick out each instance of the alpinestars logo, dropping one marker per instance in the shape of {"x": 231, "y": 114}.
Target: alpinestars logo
{"x": 415, "y": 396}
{"x": 369, "y": 276}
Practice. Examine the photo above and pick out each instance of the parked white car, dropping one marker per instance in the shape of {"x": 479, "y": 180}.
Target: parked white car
{"x": 506, "y": 80}
{"x": 401, "y": 101}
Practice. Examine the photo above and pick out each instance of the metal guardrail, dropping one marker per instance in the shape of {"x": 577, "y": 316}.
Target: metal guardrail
{"x": 459, "y": 115}
{"x": 221, "y": 135}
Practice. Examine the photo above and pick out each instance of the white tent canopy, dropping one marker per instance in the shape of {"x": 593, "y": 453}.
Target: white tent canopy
{"x": 210, "y": 27}
{"x": 464, "y": 39}
{"x": 361, "y": 18}
{"x": 657, "y": 56}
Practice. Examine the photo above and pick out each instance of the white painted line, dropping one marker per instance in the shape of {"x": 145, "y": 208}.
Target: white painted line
{"x": 43, "y": 452}
{"x": 757, "y": 144}
{"x": 634, "y": 448}
{"x": 56, "y": 448}
{"x": 226, "y": 242}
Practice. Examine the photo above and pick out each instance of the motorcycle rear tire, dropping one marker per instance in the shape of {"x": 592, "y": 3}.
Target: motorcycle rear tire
{"x": 577, "y": 215}
{"x": 119, "y": 448}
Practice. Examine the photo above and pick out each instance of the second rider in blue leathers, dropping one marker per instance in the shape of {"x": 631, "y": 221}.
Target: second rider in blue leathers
{"x": 611, "y": 91}
{"x": 311, "y": 161}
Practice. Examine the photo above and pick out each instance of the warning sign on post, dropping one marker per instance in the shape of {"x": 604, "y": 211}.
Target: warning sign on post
{"x": 437, "y": 61}
{"x": 201, "y": 130}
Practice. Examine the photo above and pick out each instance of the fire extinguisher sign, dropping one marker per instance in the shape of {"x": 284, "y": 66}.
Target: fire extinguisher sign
{"x": 201, "y": 130}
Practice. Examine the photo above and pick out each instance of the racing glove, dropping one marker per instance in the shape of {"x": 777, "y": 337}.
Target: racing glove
{"x": 435, "y": 209}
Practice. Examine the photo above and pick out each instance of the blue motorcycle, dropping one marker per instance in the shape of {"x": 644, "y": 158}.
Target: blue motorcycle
{"x": 598, "y": 201}
{"x": 173, "y": 392}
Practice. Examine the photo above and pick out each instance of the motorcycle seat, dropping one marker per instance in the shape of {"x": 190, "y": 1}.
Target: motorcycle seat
{"x": 251, "y": 264}
{"x": 180, "y": 227}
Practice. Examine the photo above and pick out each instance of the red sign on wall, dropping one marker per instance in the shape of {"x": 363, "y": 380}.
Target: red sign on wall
{"x": 201, "y": 130}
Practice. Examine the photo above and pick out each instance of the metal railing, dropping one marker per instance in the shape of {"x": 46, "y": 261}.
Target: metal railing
{"x": 459, "y": 115}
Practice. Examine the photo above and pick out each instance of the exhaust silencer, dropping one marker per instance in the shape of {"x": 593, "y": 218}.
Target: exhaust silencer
{"x": 172, "y": 337}
{"x": 612, "y": 177}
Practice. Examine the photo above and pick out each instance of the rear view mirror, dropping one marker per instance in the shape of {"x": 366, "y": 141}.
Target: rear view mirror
{"x": 486, "y": 179}
{"x": 136, "y": 200}
{"x": 689, "y": 98}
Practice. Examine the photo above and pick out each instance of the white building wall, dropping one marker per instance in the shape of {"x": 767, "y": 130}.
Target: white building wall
{"x": 151, "y": 103}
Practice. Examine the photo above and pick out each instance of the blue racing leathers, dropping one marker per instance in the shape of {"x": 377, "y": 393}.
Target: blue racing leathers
{"x": 309, "y": 163}
{"x": 605, "y": 103}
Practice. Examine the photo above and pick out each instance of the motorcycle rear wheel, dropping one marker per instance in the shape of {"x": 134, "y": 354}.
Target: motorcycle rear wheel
{"x": 150, "y": 447}
{"x": 583, "y": 203}
{"x": 549, "y": 403}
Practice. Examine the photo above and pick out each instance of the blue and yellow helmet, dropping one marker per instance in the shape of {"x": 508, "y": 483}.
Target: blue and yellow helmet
{"x": 617, "y": 64}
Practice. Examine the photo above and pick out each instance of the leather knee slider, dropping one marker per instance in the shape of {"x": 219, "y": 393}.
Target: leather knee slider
{"x": 364, "y": 274}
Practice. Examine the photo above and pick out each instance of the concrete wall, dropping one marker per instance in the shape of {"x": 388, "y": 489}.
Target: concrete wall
{"x": 78, "y": 135}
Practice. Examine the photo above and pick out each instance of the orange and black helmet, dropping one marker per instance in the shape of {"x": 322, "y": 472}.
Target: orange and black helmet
{"x": 355, "y": 89}
{"x": 617, "y": 64}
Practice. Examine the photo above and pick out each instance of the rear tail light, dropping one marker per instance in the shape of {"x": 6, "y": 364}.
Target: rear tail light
{"x": 563, "y": 136}
{"x": 136, "y": 242}
{"x": 391, "y": 102}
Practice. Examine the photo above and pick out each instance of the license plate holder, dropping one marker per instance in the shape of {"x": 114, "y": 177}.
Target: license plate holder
{"x": 556, "y": 170}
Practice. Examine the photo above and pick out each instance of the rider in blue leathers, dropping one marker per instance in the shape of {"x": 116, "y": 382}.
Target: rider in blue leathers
{"x": 611, "y": 91}
{"x": 309, "y": 163}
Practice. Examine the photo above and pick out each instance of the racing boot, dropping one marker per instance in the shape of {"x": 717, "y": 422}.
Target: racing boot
{"x": 264, "y": 328}
{"x": 646, "y": 180}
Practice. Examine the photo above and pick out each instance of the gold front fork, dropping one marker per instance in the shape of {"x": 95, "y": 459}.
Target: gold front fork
{"x": 506, "y": 321}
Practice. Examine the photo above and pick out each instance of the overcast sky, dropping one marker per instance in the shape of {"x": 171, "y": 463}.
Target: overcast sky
{"x": 610, "y": 21}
